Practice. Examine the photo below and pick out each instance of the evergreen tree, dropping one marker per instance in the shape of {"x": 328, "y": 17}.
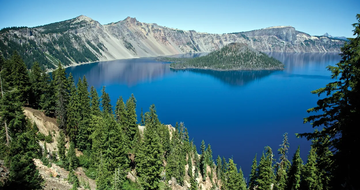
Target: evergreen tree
{"x": 20, "y": 78}
{"x": 121, "y": 113}
{"x": 242, "y": 182}
{"x": 95, "y": 102}
{"x": 210, "y": 160}
{"x": 132, "y": 128}
{"x": 23, "y": 146}
{"x": 253, "y": 175}
{"x": 294, "y": 174}
{"x": 48, "y": 98}
{"x": 218, "y": 167}
{"x": 283, "y": 165}
{"x": 324, "y": 162}
{"x": 176, "y": 159}
{"x": 150, "y": 154}
{"x": 114, "y": 148}
{"x": 142, "y": 118}
{"x": 105, "y": 102}
{"x": 225, "y": 165}
{"x": 44, "y": 159}
{"x": 340, "y": 115}
{"x": 83, "y": 132}
{"x": 61, "y": 146}
{"x": 61, "y": 95}
{"x": 72, "y": 160}
{"x": 193, "y": 185}
{"x": 190, "y": 166}
{"x": 310, "y": 173}
{"x": 36, "y": 85}
{"x": 203, "y": 160}
{"x": 73, "y": 115}
{"x": 266, "y": 174}
{"x": 232, "y": 181}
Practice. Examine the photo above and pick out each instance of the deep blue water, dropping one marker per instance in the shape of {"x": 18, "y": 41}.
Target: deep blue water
{"x": 237, "y": 112}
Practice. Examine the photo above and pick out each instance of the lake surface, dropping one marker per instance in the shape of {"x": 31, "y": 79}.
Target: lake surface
{"x": 237, "y": 112}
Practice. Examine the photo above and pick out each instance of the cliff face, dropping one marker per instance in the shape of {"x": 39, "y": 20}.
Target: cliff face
{"x": 82, "y": 39}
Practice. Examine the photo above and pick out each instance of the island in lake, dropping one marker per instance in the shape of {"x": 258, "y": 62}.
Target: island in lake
{"x": 234, "y": 56}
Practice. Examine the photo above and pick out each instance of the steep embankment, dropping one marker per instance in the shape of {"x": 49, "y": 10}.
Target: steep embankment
{"x": 82, "y": 40}
{"x": 56, "y": 177}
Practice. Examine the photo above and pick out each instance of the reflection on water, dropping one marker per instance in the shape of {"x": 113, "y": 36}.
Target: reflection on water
{"x": 134, "y": 71}
{"x": 235, "y": 78}
{"x": 130, "y": 71}
{"x": 294, "y": 61}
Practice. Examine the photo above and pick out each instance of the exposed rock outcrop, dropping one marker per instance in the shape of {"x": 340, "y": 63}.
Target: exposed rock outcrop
{"x": 83, "y": 39}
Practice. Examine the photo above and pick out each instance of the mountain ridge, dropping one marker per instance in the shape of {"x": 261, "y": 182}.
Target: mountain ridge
{"x": 82, "y": 40}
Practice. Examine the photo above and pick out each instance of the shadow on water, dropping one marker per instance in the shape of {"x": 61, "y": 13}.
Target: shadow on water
{"x": 233, "y": 78}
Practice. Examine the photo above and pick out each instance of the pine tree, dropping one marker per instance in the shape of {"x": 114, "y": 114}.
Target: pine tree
{"x": 83, "y": 132}
{"x": 142, "y": 118}
{"x": 44, "y": 159}
{"x": 242, "y": 182}
{"x": 105, "y": 102}
{"x": 193, "y": 185}
{"x": 73, "y": 115}
{"x": 72, "y": 160}
{"x": 232, "y": 181}
{"x": 266, "y": 174}
{"x": 61, "y": 146}
{"x": 47, "y": 98}
{"x": 150, "y": 154}
{"x": 218, "y": 167}
{"x": 339, "y": 116}
{"x": 324, "y": 162}
{"x": 310, "y": 173}
{"x": 20, "y": 78}
{"x": 61, "y": 95}
{"x": 225, "y": 165}
{"x": 210, "y": 160}
{"x": 283, "y": 165}
{"x": 132, "y": 128}
{"x": 36, "y": 85}
{"x": 203, "y": 160}
{"x": 23, "y": 146}
{"x": 190, "y": 166}
{"x": 253, "y": 175}
{"x": 114, "y": 148}
{"x": 95, "y": 102}
{"x": 121, "y": 113}
{"x": 294, "y": 174}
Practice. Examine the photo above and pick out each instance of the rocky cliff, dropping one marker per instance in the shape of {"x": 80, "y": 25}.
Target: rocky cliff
{"x": 83, "y": 39}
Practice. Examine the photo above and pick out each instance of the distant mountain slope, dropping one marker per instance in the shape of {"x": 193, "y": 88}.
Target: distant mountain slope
{"x": 234, "y": 56}
{"x": 82, "y": 39}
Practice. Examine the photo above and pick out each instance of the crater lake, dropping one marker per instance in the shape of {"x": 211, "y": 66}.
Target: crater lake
{"x": 237, "y": 112}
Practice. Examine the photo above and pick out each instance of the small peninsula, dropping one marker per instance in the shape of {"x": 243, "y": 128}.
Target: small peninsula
{"x": 234, "y": 56}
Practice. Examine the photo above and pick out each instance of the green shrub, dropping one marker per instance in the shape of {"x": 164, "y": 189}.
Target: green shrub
{"x": 84, "y": 161}
{"x": 49, "y": 138}
{"x": 91, "y": 173}
{"x": 41, "y": 136}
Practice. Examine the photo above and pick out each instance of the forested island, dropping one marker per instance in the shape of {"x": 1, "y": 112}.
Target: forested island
{"x": 234, "y": 56}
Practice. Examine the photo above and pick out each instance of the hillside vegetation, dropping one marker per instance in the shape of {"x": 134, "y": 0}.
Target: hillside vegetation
{"x": 235, "y": 56}
{"x": 108, "y": 146}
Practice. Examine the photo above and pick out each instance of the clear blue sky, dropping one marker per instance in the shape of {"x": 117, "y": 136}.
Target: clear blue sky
{"x": 314, "y": 17}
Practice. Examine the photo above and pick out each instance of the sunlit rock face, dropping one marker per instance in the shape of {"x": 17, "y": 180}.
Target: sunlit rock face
{"x": 82, "y": 39}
